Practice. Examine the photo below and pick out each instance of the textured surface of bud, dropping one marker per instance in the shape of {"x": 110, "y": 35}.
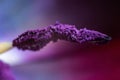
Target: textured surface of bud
{"x": 36, "y": 39}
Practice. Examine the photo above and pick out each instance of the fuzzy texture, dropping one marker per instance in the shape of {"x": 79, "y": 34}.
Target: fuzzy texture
{"x": 36, "y": 39}
{"x": 5, "y": 73}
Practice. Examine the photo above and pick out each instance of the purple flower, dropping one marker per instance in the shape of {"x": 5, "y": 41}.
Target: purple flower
{"x": 5, "y": 73}
{"x": 37, "y": 39}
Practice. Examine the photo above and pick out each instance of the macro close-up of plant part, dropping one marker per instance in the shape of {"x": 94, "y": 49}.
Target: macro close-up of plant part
{"x": 59, "y": 40}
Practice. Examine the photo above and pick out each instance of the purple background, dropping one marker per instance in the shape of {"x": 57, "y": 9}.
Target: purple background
{"x": 62, "y": 60}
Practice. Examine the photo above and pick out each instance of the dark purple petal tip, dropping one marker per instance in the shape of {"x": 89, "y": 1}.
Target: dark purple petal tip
{"x": 5, "y": 73}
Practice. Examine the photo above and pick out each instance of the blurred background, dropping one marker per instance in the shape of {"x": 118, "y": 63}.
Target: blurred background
{"x": 62, "y": 60}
